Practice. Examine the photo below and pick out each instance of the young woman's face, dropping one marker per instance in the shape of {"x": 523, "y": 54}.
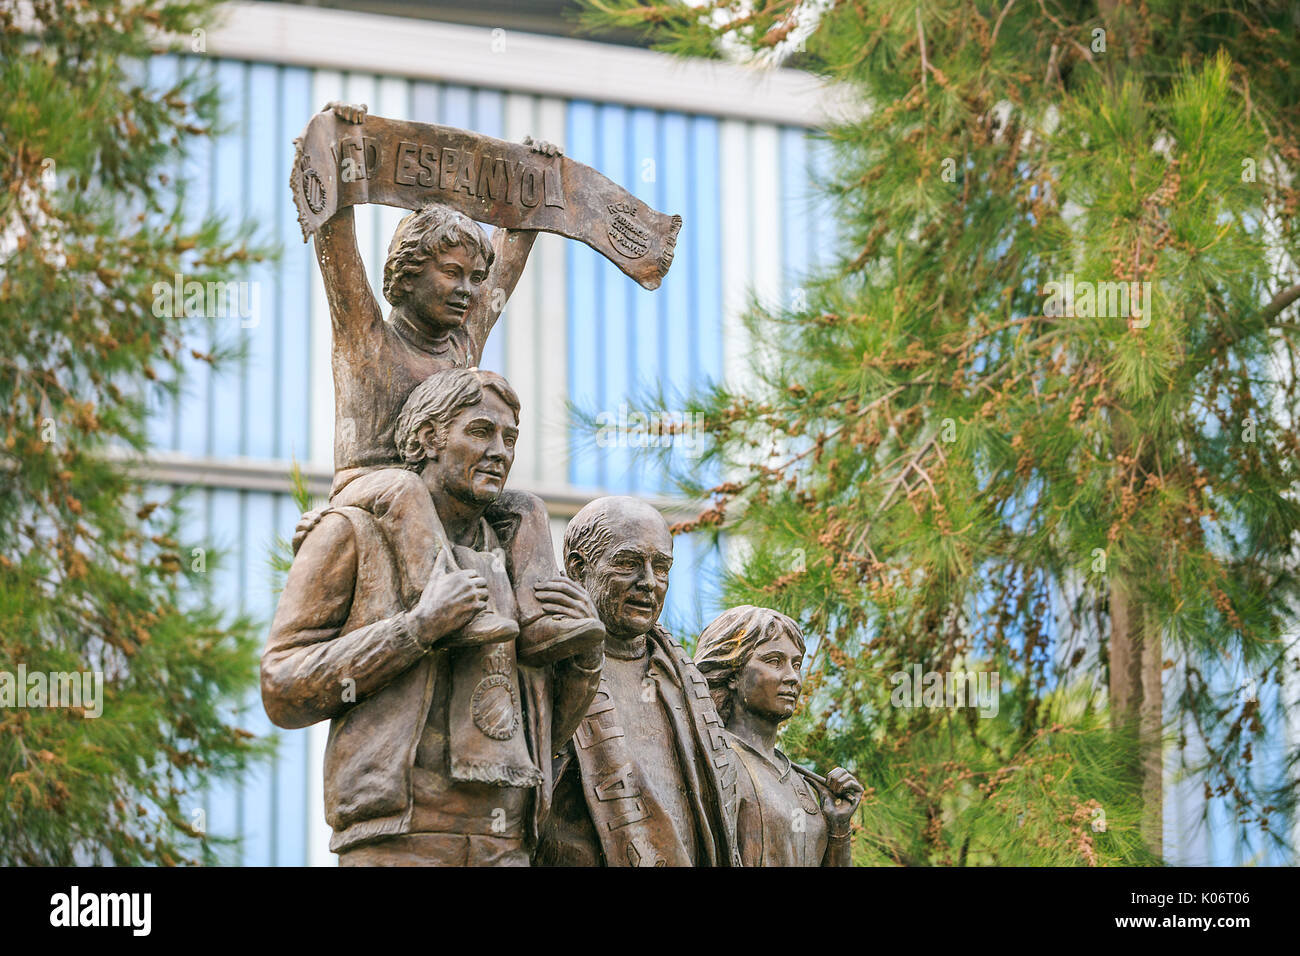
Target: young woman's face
{"x": 769, "y": 684}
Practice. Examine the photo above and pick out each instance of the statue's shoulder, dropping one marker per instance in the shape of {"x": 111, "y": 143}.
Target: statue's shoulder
{"x": 371, "y": 544}
{"x": 347, "y": 522}
{"x": 390, "y": 477}
{"x": 513, "y": 501}
{"x": 665, "y": 637}
{"x": 810, "y": 776}
{"x": 325, "y": 542}
{"x": 324, "y": 527}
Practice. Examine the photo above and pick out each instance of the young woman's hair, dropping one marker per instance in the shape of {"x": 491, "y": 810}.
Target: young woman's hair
{"x": 433, "y": 228}
{"x": 727, "y": 644}
{"x": 436, "y": 401}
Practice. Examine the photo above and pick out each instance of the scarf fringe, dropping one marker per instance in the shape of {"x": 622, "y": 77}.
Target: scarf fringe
{"x": 502, "y": 775}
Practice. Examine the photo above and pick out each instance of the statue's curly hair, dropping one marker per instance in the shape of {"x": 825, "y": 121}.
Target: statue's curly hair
{"x": 727, "y": 644}
{"x": 433, "y": 228}
{"x": 436, "y": 401}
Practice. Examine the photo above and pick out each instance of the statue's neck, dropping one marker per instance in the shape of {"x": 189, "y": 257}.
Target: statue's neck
{"x": 460, "y": 519}
{"x": 755, "y": 729}
{"x": 626, "y": 648}
{"x": 421, "y": 334}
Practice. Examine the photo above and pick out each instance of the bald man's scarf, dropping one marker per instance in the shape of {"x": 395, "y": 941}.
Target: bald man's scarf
{"x": 628, "y": 822}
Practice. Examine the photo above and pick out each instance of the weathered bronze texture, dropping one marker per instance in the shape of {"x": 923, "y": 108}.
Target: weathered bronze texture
{"x": 787, "y": 815}
{"x": 400, "y": 163}
{"x": 485, "y": 708}
{"x": 649, "y": 778}
{"x": 434, "y": 722}
{"x": 448, "y": 286}
{"x": 410, "y": 616}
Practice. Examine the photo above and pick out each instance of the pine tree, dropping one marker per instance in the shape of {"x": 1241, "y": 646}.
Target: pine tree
{"x": 1037, "y": 418}
{"x": 94, "y": 576}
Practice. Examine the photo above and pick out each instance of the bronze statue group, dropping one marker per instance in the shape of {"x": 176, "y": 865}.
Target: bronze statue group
{"x": 486, "y": 707}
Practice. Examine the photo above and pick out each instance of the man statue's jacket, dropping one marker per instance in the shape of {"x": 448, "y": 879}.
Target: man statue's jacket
{"x": 374, "y": 682}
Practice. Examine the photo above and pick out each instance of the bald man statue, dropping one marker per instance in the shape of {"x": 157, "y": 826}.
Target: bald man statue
{"x": 648, "y": 778}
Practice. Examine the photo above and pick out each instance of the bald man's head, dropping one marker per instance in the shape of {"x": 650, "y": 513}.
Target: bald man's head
{"x": 620, "y": 550}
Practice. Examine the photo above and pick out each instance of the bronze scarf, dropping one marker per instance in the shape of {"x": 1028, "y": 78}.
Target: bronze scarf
{"x": 486, "y": 734}
{"x": 630, "y": 824}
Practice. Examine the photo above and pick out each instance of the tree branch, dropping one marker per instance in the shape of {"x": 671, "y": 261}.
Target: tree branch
{"x": 1280, "y": 302}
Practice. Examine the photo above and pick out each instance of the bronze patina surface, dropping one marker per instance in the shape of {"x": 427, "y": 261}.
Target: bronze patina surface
{"x": 435, "y": 724}
{"x": 401, "y": 163}
{"x": 649, "y": 778}
{"x": 486, "y": 708}
{"x": 787, "y": 815}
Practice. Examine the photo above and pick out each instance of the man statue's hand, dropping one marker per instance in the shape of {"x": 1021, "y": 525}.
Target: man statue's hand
{"x": 450, "y": 600}
{"x": 308, "y": 521}
{"x": 842, "y": 799}
{"x": 543, "y": 147}
{"x": 564, "y": 597}
{"x": 348, "y": 112}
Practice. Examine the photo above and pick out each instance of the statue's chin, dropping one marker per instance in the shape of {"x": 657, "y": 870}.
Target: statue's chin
{"x": 628, "y": 632}
{"x": 436, "y": 323}
{"x": 477, "y": 496}
{"x": 440, "y": 322}
{"x": 777, "y": 714}
{"x": 628, "y": 623}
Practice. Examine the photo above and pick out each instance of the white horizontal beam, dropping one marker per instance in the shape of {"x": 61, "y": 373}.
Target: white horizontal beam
{"x": 514, "y": 61}
{"x": 249, "y": 474}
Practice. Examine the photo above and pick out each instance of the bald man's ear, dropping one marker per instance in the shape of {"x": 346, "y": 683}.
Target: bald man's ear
{"x": 575, "y": 566}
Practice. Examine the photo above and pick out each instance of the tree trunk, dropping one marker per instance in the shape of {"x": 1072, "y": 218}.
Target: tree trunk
{"x": 1137, "y": 702}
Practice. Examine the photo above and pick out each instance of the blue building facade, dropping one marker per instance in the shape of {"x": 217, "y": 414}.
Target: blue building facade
{"x": 736, "y": 157}
{"x": 576, "y": 330}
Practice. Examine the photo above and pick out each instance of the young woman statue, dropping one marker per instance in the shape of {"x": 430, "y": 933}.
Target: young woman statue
{"x": 752, "y": 658}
